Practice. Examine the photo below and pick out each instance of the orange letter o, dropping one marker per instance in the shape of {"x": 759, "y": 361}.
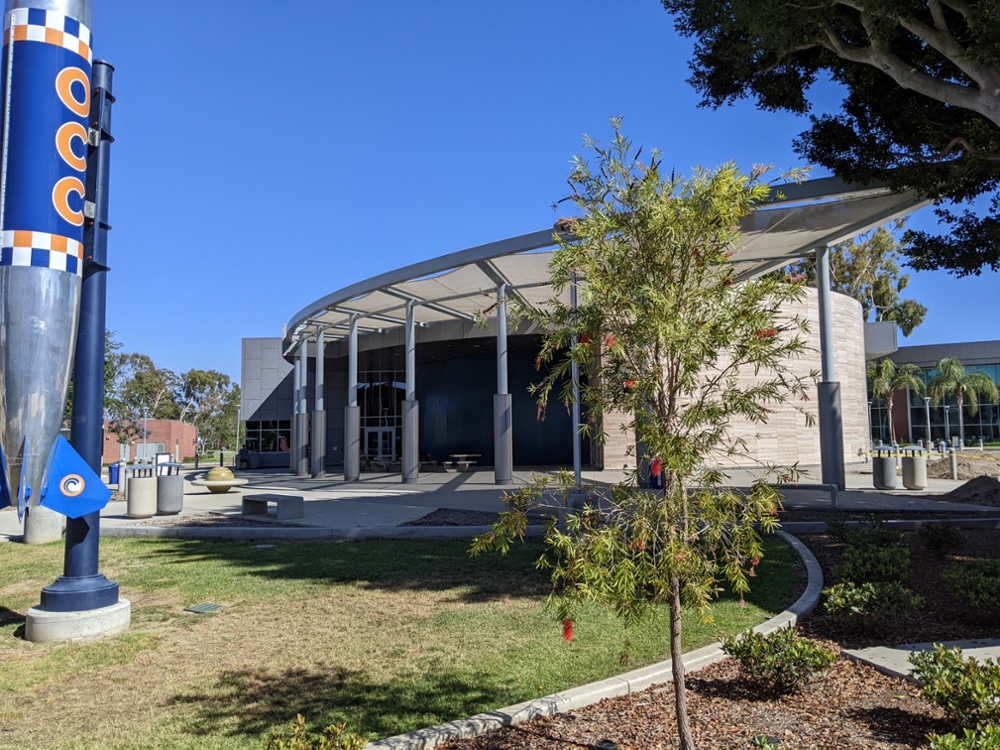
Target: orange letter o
{"x": 64, "y": 145}
{"x": 64, "y": 87}
{"x": 60, "y": 199}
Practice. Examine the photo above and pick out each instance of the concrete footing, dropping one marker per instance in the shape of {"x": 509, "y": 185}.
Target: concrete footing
{"x": 58, "y": 627}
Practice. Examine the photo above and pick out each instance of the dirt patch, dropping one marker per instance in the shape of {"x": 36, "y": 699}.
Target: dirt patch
{"x": 852, "y": 707}
{"x": 983, "y": 490}
{"x": 211, "y": 520}
{"x": 968, "y": 468}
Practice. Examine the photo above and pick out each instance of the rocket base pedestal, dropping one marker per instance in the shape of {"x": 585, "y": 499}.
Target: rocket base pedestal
{"x": 42, "y": 525}
{"x": 54, "y": 627}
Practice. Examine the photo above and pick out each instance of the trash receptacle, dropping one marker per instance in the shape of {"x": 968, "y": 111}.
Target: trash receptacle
{"x": 169, "y": 489}
{"x": 113, "y": 472}
{"x": 884, "y": 470}
{"x": 914, "y": 469}
{"x": 141, "y": 493}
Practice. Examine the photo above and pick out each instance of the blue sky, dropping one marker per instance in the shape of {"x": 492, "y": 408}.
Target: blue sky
{"x": 270, "y": 153}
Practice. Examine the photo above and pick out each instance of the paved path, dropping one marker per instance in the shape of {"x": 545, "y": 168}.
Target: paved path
{"x": 382, "y": 501}
{"x": 895, "y": 660}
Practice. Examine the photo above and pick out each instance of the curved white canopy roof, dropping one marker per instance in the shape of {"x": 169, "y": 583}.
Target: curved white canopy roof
{"x": 797, "y": 219}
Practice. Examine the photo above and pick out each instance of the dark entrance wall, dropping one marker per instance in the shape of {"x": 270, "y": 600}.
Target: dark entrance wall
{"x": 456, "y": 405}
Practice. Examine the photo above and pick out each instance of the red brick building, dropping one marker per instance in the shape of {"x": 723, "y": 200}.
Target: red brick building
{"x": 164, "y": 436}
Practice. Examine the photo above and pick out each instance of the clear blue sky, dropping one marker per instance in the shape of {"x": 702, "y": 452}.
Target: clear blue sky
{"x": 270, "y": 153}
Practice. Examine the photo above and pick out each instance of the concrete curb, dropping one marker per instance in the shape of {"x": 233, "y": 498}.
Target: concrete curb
{"x": 303, "y": 534}
{"x": 819, "y": 527}
{"x": 630, "y": 682}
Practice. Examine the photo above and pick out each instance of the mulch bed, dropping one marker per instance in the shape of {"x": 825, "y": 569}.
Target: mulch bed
{"x": 853, "y": 706}
{"x": 211, "y": 520}
{"x": 793, "y": 514}
{"x": 455, "y": 517}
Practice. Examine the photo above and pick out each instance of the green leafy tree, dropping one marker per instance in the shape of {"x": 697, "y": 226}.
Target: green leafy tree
{"x": 921, "y": 110}
{"x": 885, "y": 378}
{"x": 867, "y": 269}
{"x": 210, "y": 402}
{"x": 670, "y": 340}
{"x": 965, "y": 387}
{"x": 150, "y": 389}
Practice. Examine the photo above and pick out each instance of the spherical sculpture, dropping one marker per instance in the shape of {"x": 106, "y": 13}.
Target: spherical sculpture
{"x": 218, "y": 474}
{"x": 219, "y": 479}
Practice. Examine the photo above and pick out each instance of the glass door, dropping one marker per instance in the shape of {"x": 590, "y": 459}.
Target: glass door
{"x": 380, "y": 443}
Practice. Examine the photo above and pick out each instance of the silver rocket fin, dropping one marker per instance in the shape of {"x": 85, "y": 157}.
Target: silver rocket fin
{"x": 19, "y": 477}
{"x": 70, "y": 486}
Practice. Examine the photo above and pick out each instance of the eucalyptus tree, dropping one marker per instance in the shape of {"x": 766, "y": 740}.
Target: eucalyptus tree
{"x": 965, "y": 387}
{"x": 885, "y": 379}
{"x": 673, "y": 343}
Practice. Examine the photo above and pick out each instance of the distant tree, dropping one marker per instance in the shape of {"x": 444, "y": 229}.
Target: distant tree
{"x": 867, "y": 269}
{"x": 210, "y": 401}
{"x": 966, "y": 388}
{"x": 921, "y": 109}
{"x": 150, "y": 389}
{"x": 885, "y": 378}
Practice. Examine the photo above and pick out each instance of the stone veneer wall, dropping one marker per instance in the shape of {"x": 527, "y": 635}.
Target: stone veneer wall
{"x": 785, "y": 438}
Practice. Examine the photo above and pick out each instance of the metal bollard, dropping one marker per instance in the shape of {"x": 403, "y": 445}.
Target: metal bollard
{"x": 954, "y": 463}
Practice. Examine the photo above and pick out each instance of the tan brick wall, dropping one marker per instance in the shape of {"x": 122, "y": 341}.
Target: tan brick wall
{"x": 786, "y": 438}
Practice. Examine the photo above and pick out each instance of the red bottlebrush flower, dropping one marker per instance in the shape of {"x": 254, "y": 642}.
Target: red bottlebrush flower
{"x": 609, "y": 340}
{"x": 755, "y": 562}
{"x": 567, "y": 630}
{"x": 774, "y": 511}
{"x": 656, "y": 466}
{"x": 766, "y": 333}
{"x": 585, "y": 338}
{"x": 727, "y": 282}
{"x": 630, "y": 384}
{"x": 640, "y": 544}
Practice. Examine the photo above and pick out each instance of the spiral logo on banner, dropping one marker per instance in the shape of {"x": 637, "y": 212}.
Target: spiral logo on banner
{"x": 47, "y": 148}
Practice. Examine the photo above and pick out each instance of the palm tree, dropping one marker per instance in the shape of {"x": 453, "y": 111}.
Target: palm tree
{"x": 884, "y": 379}
{"x": 966, "y": 387}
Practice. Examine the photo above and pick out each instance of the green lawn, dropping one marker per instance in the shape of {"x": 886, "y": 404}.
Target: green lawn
{"x": 390, "y": 636}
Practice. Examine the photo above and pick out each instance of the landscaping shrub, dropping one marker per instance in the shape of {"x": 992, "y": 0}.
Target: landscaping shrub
{"x": 780, "y": 662}
{"x": 874, "y": 564}
{"x": 872, "y": 533}
{"x": 976, "y": 582}
{"x": 876, "y": 601}
{"x": 968, "y": 691}
{"x": 987, "y": 738}
{"x": 940, "y": 537}
{"x": 837, "y": 529}
{"x": 334, "y": 737}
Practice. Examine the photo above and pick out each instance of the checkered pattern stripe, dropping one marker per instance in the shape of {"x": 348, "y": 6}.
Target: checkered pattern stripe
{"x": 41, "y": 250}
{"x": 37, "y": 25}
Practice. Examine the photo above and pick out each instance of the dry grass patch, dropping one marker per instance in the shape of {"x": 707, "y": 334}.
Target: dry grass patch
{"x": 388, "y": 636}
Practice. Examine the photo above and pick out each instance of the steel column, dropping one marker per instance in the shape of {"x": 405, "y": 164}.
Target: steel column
{"x": 302, "y": 448}
{"x": 294, "y": 436}
{"x": 831, "y": 432}
{"x": 319, "y": 411}
{"x": 411, "y": 420}
{"x": 352, "y": 428}
{"x": 503, "y": 440}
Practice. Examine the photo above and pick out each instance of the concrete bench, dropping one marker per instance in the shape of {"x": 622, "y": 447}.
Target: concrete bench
{"x": 287, "y": 506}
{"x": 458, "y": 466}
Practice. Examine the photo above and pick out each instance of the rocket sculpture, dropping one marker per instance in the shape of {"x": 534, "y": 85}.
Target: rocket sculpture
{"x": 43, "y": 207}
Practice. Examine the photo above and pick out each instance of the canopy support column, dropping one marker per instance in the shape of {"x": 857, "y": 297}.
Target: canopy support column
{"x": 319, "y": 410}
{"x": 302, "y": 430}
{"x": 352, "y": 421}
{"x": 831, "y": 432}
{"x": 411, "y": 411}
{"x": 503, "y": 434}
{"x": 575, "y": 370}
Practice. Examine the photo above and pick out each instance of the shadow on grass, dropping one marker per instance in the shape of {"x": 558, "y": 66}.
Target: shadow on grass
{"x": 392, "y": 565}
{"x": 9, "y": 617}
{"x": 253, "y": 702}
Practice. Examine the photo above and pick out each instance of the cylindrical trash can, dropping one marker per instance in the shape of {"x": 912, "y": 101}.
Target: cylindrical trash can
{"x": 884, "y": 470}
{"x": 141, "y": 494}
{"x": 169, "y": 494}
{"x": 915, "y": 470}
{"x": 113, "y": 471}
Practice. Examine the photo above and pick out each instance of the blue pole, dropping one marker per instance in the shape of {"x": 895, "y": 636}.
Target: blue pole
{"x": 82, "y": 587}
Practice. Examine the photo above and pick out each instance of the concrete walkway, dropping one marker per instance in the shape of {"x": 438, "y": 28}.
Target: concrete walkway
{"x": 381, "y": 501}
{"x": 895, "y": 660}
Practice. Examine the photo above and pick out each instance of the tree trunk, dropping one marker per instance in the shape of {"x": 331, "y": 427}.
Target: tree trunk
{"x": 961, "y": 424}
{"x": 892, "y": 425}
{"x": 677, "y": 663}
